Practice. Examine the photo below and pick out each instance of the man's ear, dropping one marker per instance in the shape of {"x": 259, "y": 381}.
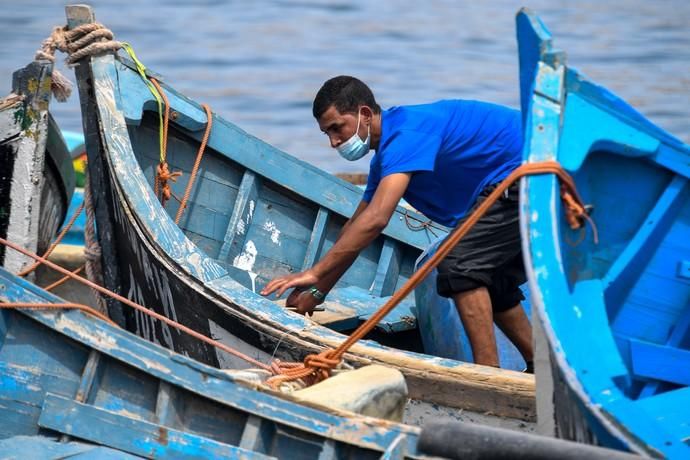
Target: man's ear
{"x": 366, "y": 111}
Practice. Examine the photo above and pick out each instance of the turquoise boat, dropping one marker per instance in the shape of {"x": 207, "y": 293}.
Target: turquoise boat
{"x": 72, "y": 384}
{"x": 615, "y": 315}
{"x": 255, "y": 213}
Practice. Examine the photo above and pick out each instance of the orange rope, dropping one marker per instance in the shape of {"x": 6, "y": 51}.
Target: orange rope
{"x": 160, "y": 182}
{"x": 195, "y": 169}
{"x": 134, "y": 305}
{"x": 57, "y": 306}
{"x": 63, "y": 279}
{"x": 57, "y": 240}
{"x": 163, "y": 175}
{"x": 318, "y": 367}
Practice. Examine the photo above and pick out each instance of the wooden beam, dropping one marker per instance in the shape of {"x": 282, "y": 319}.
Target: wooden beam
{"x": 257, "y": 434}
{"x": 660, "y": 362}
{"x": 629, "y": 265}
{"x": 86, "y": 382}
{"x": 167, "y": 405}
{"x": 677, "y": 336}
{"x": 98, "y": 169}
{"x": 318, "y": 235}
{"x": 242, "y": 212}
{"x": 388, "y": 269}
{"x": 130, "y": 434}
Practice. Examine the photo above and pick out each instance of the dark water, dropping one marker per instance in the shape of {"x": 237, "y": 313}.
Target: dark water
{"x": 259, "y": 63}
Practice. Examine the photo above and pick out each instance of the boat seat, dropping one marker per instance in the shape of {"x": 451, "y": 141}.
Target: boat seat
{"x": 660, "y": 362}
{"x": 348, "y": 307}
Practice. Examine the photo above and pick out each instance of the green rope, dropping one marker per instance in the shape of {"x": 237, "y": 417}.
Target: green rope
{"x": 141, "y": 68}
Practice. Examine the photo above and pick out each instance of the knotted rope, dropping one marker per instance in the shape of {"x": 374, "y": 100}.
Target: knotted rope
{"x": 85, "y": 40}
{"x": 318, "y": 367}
{"x": 92, "y": 249}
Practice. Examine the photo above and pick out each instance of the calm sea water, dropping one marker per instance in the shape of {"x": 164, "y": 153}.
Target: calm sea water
{"x": 259, "y": 63}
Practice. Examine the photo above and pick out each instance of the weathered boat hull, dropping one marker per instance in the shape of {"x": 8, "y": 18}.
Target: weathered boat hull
{"x": 37, "y": 180}
{"x": 68, "y": 375}
{"x": 615, "y": 315}
{"x": 167, "y": 267}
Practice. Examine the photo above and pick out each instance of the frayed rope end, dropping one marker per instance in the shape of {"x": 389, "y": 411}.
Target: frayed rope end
{"x": 60, "y": 86}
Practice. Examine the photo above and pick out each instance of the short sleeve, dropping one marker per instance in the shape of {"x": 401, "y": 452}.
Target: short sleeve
{"x": 373, "y": 179}
{"x": 409, "y": 151}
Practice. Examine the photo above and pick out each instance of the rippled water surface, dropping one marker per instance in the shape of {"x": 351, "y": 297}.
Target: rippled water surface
{"x": 259, "y": 63}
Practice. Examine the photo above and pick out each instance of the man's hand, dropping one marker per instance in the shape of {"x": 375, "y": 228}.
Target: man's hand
{"x": 303, "y": 302}
{"x": 297, "y": 280}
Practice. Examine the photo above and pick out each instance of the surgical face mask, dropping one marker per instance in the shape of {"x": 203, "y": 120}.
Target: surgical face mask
{"x": 355, "y": 148}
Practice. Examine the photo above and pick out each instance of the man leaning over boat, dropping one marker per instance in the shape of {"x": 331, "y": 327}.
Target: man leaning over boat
{"x": 443, "y": 158}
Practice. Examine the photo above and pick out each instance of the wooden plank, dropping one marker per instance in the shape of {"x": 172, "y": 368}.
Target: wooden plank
{"x": 46, "y": 447}
{"x": 388, "y": 269}
{"x": 86, "y": 381}
{"x": 660, "y": 362}
{"x": 242, "y": 213}
{"x": 98, "y": 177}
{"x": 678, "y": 334}
{"x": 328, "y": 451}
{"x": 632, "y": 261}
{"x": 257, "y": 435}
{"x": 88, "y": 376}
{"x": 129, "y": 434}
{"x": 317, "y": 238}
{"x": 167, "y": 405}
{"x": 28, "y": 162}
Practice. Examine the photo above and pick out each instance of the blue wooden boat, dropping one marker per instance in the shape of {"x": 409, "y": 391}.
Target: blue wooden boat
{"x": 36, "y": 178}
{"x": 68, "y": 376}
{"x": 255, "y": 213}
{"x": 616, "y": 315}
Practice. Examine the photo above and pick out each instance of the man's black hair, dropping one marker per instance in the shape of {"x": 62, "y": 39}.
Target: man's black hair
{"x": 346, "y": 93}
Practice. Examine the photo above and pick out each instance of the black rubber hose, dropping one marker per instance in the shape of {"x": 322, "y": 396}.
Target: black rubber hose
{"x": 458, "y": 440}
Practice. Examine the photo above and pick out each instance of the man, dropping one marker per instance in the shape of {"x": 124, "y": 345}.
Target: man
{"x": 443, "y": 158}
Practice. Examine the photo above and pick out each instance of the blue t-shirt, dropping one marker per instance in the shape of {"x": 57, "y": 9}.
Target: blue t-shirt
{"x": 454, "y": 149}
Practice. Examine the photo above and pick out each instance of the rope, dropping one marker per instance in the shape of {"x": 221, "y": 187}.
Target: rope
{"x": 318, "y": 367}
{"x": 195, "y": 169}
{"x": 141, "y": 70}
{"x": 132, "y": 304}
{"x": 161, "y": 187}
{"x": 85, "y": 40}
{"x": 10, "y": 100}
{"x": 57, "y": 241}
{"x": 92, "y": 249}
{"x": 423, "y": 224}
{"x": 57, "y": 306}
{"x": 63, "y": 280}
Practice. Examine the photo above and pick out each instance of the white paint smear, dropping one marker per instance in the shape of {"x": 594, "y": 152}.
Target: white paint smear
{"x": 273, "y": 230}
{"x": 246, "y": 259}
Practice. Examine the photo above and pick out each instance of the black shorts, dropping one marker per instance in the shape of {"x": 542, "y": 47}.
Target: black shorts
{"x": 489, "y": 255}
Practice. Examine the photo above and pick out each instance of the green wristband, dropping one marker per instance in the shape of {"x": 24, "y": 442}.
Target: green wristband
{"x": 318, "y": 295}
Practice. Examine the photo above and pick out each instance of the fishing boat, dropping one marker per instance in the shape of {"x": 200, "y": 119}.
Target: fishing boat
{"x": 255, "y": 213}
{"x": 36, "y": 178}
{"x": 75, "y": 384}
{"x": 615, "y": 314}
